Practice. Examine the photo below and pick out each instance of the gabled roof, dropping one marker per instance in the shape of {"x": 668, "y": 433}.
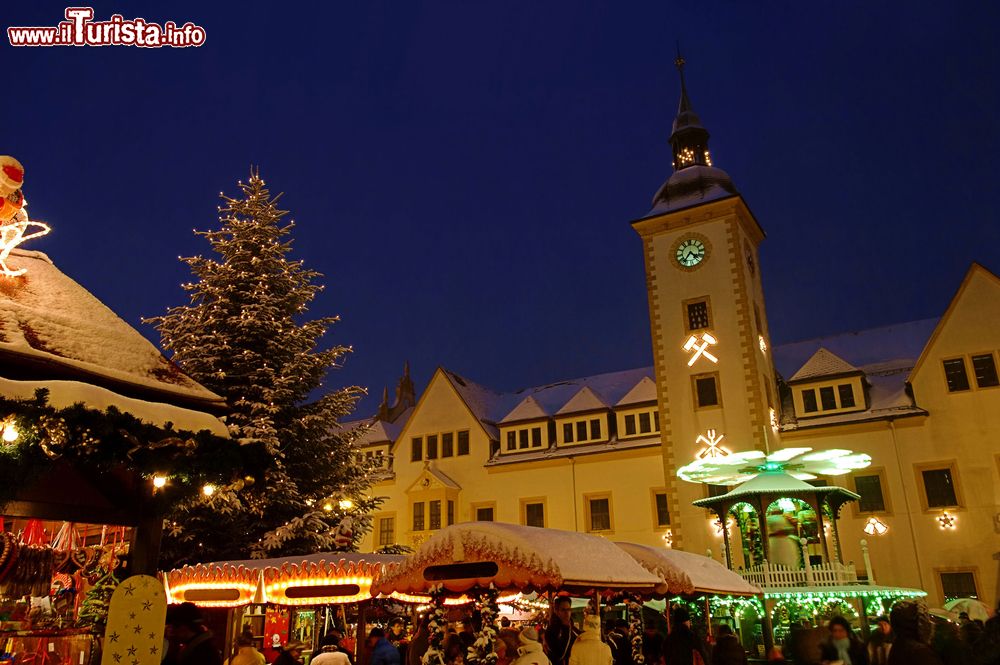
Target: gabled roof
{"x": 528, "y": 409}
{"x": 51, "y": 328}
{"x": 432, "y": 474}
{"x": 823, "y": 363}
{"x": 644, "y": 391}
{"x": 585, "y": 400}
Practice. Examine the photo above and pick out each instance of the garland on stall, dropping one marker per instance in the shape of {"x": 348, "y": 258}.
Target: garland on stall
{"x": 635, "y": 630}
{"x": 436, "y": 627}
{"x": 36, "y": 435}
{"x": 483, "y": 650}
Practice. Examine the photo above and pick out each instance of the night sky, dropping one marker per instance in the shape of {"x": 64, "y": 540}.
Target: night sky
{"x": 464, "y": 173}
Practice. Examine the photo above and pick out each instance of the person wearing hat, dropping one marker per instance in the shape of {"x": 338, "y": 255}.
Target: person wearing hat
{"x": 530, "y": 651}
{"x": 682, "y": 646}
{"x": 291, "y": 654}
{"x": 912, "y": 626}
{"x": 588, "y": 649}
{"x": 189, "y": 639}
{"x": 880, "y": 642}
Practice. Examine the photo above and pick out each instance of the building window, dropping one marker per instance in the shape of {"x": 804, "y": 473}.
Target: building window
{"x": 697, "y": 315}
{"x": 522, "y": 439}
{"x": 581, "y": 430}
{"x": 511, "y": 440}
{"x": 463, "y": 442}
{"x": 536, "y": 437}
{"x": 870, "y": 488}
{"x": 418, "y": 516}
{"x": 630, "y": 424}
{"x": 846, "y": 393}
{"x": 644, "y": 422}
{"x": 954, "y": 374}
{"x": 484, "y": 514}
{"x": 706, "y": 390}
{"x": 656, "y": 421}
{"x": 447, "y": 444}
{"x": 599, "y": 513}
{"x": 827, "y": 399}
{"x": 534, "y": 514}
{"x": 432, "y": 446}
{"x": 416, "y": 449}
{"x": 451, "y": 513}
{"x": 435, "y": 515}
{"x": 984, "y": 367}
{"x": 595, "y": 429}
{"x": 567, "y": 432}
{"x": 959, "y": 584}
{"x": 809, "y": 404}
{"x": 386, "y": 531}
{"x": 939, "y": 488}
{"x": 662, "y": 509}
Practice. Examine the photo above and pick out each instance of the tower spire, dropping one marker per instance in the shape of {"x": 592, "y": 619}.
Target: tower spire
{"x": 689, "y": 139}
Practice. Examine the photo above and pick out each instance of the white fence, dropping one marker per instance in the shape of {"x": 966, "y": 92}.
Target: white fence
{"x": 767, "y": 575}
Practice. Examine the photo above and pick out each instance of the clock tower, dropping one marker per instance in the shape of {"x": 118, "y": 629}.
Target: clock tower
{"x": 711, "y": 348}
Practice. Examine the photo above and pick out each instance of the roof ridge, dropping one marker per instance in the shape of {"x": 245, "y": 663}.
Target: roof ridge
{"x": 843, "y": 333}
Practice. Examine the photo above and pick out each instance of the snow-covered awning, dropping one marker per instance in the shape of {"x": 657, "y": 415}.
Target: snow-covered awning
{"x": 508, "y": 556}
{"x": 315, "y": 579}
{"x": 685, "y": 573}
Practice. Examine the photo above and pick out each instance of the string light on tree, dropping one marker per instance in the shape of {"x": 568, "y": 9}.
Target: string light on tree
{"x": 10, "y": 433}
{"x": 345, "y": 504}
{"x": 698, "y": 347}
{"x": 946, "y": 521}
{"x": 208, "y": 489}
{"x": 159, "y": 482}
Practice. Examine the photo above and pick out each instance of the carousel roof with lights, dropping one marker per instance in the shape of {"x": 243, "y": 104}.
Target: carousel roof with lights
{"x": 796, "y": 463}
{"x": 777, "y": 483}
{"x": 54, "y": 330}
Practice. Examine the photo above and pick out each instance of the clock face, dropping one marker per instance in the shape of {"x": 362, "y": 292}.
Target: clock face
{"x": 690, "y": 252}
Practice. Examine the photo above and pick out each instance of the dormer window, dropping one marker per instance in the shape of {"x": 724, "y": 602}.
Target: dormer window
{"x": 835, "y": 397}
{"x": 846, "y": 393}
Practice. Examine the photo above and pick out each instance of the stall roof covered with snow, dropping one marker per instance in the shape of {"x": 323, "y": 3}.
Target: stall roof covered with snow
{"x": 685, "y": 573}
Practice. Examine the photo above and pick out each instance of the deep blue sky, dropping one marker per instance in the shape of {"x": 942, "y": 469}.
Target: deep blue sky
{"x": 464, "y": 173}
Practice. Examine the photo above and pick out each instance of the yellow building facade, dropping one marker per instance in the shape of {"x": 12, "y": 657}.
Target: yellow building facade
{"x": 599, "y": 454}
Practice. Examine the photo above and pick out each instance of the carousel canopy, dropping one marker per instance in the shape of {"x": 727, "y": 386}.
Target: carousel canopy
{"x": 722, "y": 467}
{"x": 685, "y": 573}
{"x": 777, "y": 484}
{"x": 322, "y": 578}
{"x": 507, "y": 556}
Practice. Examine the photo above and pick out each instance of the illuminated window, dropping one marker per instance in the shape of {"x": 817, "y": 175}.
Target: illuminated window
{"x": 581, "y": 430}
{"x": 846, "y": 393}
{"x": 595, "y": 429}
{"x": 432, "y": 446}
{"x": 447, "y": 444}
{"x": 697, "y": 314}
{"x": 827, "y": 399}
{"x": 706, "y": 390}
{"x": 630, "y": 424}
{"x": 959, "y": 584}
{"x": 463, "y": 442}
{"x": 522, "y": 439}
{"x": 416, "y": 449}
{"x": 511, "y": 440}
{"x": 939, "y": 488}
{"x": 484, "y": 514}
{"x": 662, "y": 509}
{"x": 534, "y": 514}
{"x": 386, "y": 531}
{"x": 599, "y": 513}
{"x": 984, "y": 368}
{"x": 418, "y": 516}
{"x": 870, "y": 489}
{"x": 644, "y": 422}
{"x": 954, "y": 374}
{"x": 568, "y": 432}
{"x": 809, "y": 404}
{"x": 536, "y": 437}
{"x": 435, "y": 515}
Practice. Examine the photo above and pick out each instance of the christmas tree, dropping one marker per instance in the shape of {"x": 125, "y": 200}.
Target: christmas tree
{"x": 244, "y": 336}
{"x": 94, "y": 608}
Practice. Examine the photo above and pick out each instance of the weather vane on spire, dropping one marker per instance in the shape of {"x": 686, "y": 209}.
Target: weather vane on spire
{"x": 679, "y": 62}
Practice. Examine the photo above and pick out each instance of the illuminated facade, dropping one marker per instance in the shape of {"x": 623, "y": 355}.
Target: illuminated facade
{"x": 601, "y": 454}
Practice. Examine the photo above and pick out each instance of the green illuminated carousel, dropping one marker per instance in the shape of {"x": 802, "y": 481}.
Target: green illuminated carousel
{"x": 784, "y": 517}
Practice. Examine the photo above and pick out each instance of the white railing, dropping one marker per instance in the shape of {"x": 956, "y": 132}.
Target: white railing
{"x": 770, "y": 576}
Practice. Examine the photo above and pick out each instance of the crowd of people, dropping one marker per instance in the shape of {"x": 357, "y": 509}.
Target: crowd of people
{"x": 906, "y": 637}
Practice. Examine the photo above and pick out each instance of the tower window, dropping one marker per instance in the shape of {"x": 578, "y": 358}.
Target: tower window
{"x": 809, "y": 404}
{"x": 954, "y": 374}
{"x": 697, "y": 315}
{"x": 985, "y": 369}
{"x": 846, "y": 393}
{"x": 706, "y": 390}
{"x": 827, "y": 399}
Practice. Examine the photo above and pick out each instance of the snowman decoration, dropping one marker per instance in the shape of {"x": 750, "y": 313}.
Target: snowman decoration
{"x": 15, "y": 227}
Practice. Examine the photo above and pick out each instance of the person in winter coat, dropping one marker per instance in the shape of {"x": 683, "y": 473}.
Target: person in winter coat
{"x": 620, "y": 642}
{"x": 682, "y": 646}
{"x": 588, "y": 649}
{"x": 291, "y": 654}
{"x": 912, "y": 625}
{"x": 189, "y": 639}
{"x": 728, "y": 650}
{"x": 880, "y": 642}
{"x": 559, "y": 636}
{"x": 530, "y": 652}
{"x": 843, "y": 646}
{"x": 382, "y": 651}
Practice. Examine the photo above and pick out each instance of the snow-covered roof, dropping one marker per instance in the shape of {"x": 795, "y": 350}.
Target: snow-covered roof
{"x": 528, "y": 409}
{"x": 379, "y": 431}
{"x": 692, "y": 186}
{"x": 575, "y": 450}
{"x": 644, "y": 391}
{"x": 823, "y": 363}
{"x": 525, "y": 558}
{"x": 686, "y": 573}
{"x": 774, "y": 482}
{"x": 53, "y": 328}
{"x": 585, "y": 400}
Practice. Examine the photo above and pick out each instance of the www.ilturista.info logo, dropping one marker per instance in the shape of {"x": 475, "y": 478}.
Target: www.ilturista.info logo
{"x": 79, "y": 29}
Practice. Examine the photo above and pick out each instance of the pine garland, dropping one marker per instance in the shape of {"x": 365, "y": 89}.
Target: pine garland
{"x": 635, "y": 630}
{"x": 436, "y": 627}
{"x": 483, "y": 650}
